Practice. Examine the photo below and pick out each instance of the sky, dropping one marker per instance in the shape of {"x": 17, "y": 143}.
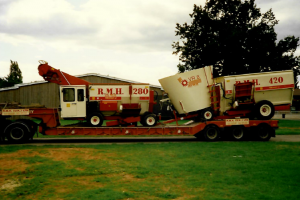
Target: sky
{"x": 126, "y": 39}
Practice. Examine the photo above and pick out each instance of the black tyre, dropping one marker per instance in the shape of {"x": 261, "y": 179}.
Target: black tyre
{"x": 264, "y": 132}
{"x": 17, "y": 132}
{"x": 95, "y": 119}
{"x": 264, "y": 110}
{"x": 143, "y": 116}
{"x": 31, "y": 124}
{"x": 149, "y": 120}
{"x": 238, "y": 133}
{"x": 211, "y": 133}
{"x": 206, "y": 114}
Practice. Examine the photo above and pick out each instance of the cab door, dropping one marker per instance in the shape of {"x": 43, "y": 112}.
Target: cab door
{"x": 73, "y": 101}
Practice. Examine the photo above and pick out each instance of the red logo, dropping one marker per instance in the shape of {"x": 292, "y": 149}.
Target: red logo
{"x": 184, "y": 83}
{"x": 192, "y": 81}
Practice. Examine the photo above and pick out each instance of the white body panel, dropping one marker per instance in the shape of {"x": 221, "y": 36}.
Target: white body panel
{"x": 189, "y": 91}
{"x": 121, "y": 94}
{"x": 73, "y": 101}
{"x": 276, "y": 87}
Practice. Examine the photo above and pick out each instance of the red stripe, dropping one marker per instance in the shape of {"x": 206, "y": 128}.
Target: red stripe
{"x": 144, "y": 98}
{"x": 274, "y": 87}
{"x": 228, "y": 92}
{"x": 283, "y": 107}
{"x": 105, "y": 98}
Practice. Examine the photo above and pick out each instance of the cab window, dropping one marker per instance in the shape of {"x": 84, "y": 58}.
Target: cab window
{"x": 68, "y": 94}
{"x": 80, "y": 95}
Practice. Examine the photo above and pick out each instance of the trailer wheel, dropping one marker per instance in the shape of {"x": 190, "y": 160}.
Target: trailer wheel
{"x": 264, "y": 110}
{"x": 238, "y": 133}
{"x": 211, "y": 132}
{"x": 149, "y": 120}
{"x": 95, "y": 119}
{"x": 17, "y": 132}
{"x": 206, "y": 114}
{"x": 32, "y": 126}
{"x": 264, "y": 132}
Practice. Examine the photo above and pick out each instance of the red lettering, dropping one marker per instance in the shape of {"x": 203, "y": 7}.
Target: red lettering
{"x": 255, "y": 81}
{"x": 271, "y": 81}
{"x": 140, "y": 90}
{"x": 118, "y": 90}
{"x": 236, "y": 82}
{"x": 100, "y": 91}
{"x": 145, "y": 91}
{"x": 276, "y": 80}
{"x": 109, "y": 90}
{"x": 192, "y": 78}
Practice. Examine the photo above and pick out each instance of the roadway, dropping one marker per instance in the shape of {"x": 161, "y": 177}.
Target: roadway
{"x": 130, "y": 140}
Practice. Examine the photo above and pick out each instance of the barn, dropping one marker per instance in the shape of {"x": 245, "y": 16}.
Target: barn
{"x": 47, "y": 94}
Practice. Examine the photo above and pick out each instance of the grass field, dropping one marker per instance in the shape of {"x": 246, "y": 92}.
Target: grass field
{"x": 288, "y": 127}
{"x": 222, "y": 170}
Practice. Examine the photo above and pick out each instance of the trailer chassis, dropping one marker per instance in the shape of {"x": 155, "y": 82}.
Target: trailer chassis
{"x": 237, "y": 129}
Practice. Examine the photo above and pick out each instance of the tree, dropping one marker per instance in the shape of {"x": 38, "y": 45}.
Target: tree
{"x": 234, "y": 37}
{"x": 14, "y": 76}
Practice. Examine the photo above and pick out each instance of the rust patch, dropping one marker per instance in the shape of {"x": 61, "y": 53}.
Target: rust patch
{"x": 87, "y": 182}
{"x": 282, "y": 146}
{"x": 289, "y": 127}
{"x": 61, "y": 154}
{"x": 125, "y": 177}
{"x": 10, "y": 166}
{"x": 20, "y": 153}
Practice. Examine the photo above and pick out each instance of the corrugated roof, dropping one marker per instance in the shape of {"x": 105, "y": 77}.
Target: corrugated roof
{"x": 82, "y": 75}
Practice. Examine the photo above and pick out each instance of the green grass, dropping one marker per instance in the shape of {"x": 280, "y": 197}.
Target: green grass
{"x": 222, "y": 170}
{"x": 288, "y": 127}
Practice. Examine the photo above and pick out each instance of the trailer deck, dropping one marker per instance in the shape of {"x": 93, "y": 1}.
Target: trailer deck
{"x": 23, "y": 129}
{"x": 191, "y": 129}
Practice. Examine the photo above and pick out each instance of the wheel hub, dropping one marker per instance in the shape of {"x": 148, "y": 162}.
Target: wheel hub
{"x": 95, "y": 120}
{"x": 207, "y": 115}
{"x": 212, "y": 134}
{"x": 150, "y": 121}
{"x": 265, "y": 110}
{"x": 16, "y": 133}
{"x": 237, "y": 134}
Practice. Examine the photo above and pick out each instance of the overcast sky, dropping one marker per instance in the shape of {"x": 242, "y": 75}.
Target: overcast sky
{"x": 126, "y": 39}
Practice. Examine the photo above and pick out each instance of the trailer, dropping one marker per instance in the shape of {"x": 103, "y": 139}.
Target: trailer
{"x": 238, "y": 129}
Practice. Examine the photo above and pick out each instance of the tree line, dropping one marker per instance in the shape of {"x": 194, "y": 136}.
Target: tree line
{"x": 14, "y": 76}
{"x": 236, "y": 38}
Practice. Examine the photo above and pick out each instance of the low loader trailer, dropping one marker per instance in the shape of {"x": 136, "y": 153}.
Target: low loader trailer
{"x": 239, "y": 105}
{"x": 22, "y": 130}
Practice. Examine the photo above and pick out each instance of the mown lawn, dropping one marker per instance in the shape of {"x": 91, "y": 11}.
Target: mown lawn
{"x": 199, "y": 170}
{"x": 288, "y": 127}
